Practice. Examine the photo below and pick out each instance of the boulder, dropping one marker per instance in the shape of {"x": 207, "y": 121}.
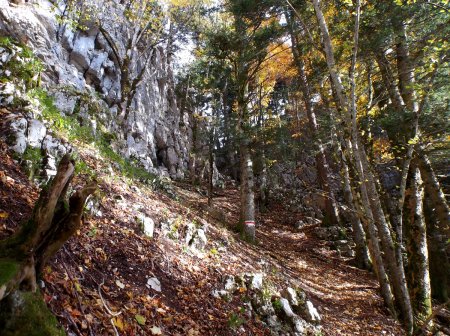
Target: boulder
{"x": 64, "y": 102}
{"x": 202, "y": 240}
{"x": 18, "y": 139}
{"x": 190, "y": 232}
{"x": 291, "y": 295}
{"x": 53, "y": 147}
{"x": 286, "y": 308}
{"x": 256, "y": 281}
{"x": 81, "y": 52}
{"x": 36, "y": 133}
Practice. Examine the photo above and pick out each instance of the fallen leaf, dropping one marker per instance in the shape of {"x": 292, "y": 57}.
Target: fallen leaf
{"x": 155, "y": 330}
{"x": 118, "y": 322}
{"x": 84, "y": 325}
{"x": 140, "y": 319}
{"x": 77, "y": 286}
{"x": 4, "y": 214}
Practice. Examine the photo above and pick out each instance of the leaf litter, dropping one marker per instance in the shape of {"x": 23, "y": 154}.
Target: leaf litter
{"x": 110, "y": 279}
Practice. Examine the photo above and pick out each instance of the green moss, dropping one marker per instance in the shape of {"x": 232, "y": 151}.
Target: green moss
{"x": 8, "y": 269}
{"x": 277, "y": 306}
{"x": 25, "y": 313}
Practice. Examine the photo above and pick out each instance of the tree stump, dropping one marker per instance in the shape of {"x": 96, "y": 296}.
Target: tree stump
{"x": 22, "y": 256}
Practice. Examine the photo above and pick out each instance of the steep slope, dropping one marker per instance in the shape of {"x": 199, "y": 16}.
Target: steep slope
{"x": 100, "y": 283}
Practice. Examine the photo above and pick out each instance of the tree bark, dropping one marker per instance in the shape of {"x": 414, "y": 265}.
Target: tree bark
{"x": 434, "y": 192}
{"x": 361, "y": 252}
{"x": 247, "y": 193}
{"x": 418, "y": 270}
{"x": 53, "y": 222}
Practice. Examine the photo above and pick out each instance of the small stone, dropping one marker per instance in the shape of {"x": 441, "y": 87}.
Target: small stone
{"x": 257, "y": 281}
{"x": 300, "y": 325}
{"x": 36, "y": 133}
{"x": 286, "y": 307}
{"x": 154, "y": 284}
{"x": 202, "y": 236}
{"x": 299, "y": 224}
{"x": 290, "y": 294}
{"x": 148, "y": 226}
{"x": 230, "y": 284}
{"x": 312, "y": 313}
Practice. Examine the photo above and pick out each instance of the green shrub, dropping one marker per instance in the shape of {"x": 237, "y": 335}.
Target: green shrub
{"x": 24, "y": 66}
{"x": 32, "y": 161}
{"x": 235, "y": 321}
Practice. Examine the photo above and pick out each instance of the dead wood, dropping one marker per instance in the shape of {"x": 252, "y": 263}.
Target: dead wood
{"x": 55, "y": 219}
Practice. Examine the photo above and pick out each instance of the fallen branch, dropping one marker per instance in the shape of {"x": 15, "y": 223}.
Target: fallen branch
{"x": 108, "y": 310}
{"x": 423, "y": 328}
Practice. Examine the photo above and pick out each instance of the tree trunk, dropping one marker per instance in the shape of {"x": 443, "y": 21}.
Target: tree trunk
{"x": 211, "y": 168}
{"x": 53, "y": 222}
{"x": 394, "y": 265}
{"x": 263, "y": 183}
{"x": 361, "y": 252}
{"x": 372, "y": 237}
{"x": 247, "y": 193}
{"x": 418, "y": 269}
{"x": 439, "y": 263}
{"x": 434, "y": 192}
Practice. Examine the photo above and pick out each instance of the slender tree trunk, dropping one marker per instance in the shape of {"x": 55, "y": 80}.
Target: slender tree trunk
{"x": 439, "y": 261}
{"x": 418, "y": 270}
{"x": 356, "y": 216}
{"x": 263, "y": 184}
{"x": 247, "y": 215}
{"x": 368, "y": 221}
{"x": 361, "y": 252}
{"x": 394, "y": 264}
{"x": 404, "y": 67}
{"x": 211, "y": 160}
{"x": 247, "y": 193}
{"x": 435, "y": 194}
{"x": 373, "y": 234}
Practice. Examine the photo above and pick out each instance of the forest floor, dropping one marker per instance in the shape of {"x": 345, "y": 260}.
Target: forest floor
{"x": 96, "y": 285}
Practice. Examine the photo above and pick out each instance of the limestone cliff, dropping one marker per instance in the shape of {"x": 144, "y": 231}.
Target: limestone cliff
{"x": 81, "y": 62}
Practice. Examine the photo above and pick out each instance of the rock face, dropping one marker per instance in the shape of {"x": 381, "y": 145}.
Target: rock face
{"x": 292, "y": 183}
{"x": 155, "y": 134}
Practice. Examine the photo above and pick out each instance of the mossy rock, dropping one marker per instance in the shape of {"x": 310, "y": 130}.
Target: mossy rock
{"x": 8, "y": 269}
{"x": 25, "y": 313}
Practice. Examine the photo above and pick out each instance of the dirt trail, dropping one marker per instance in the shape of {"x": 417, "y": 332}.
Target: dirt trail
{"x": 346, "y": 297}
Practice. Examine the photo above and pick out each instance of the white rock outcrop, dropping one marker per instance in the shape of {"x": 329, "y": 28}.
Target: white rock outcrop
{"x": 157, "y": 134}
